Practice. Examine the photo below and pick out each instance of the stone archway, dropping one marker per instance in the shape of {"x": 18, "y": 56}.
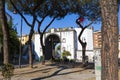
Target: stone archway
{"x": 50, "y": 42}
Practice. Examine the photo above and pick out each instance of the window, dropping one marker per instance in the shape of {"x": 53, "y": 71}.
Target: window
{"x": 63, "y": 40}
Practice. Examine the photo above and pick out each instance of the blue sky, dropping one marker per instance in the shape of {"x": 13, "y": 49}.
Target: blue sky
{"x": 68, "y": 21}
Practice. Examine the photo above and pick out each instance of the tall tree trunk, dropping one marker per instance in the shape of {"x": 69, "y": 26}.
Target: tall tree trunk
{"x": 83, "y": 53}
{"x": 83, "y": 43}
{"x": 43, "y": 48}
{"x": 30, "y": 55}
{"x": 30, "y": 48}
{"x": 109, "y": 52}
{"x": 5, "y": 30}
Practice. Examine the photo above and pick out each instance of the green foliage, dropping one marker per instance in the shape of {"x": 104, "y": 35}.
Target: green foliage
{"x": 57, "y": 8}
{"x": 58, "y": 48}
{"x": 86, "y": 8}
{"x": 41, "y": 58}
{"x": 13, "y": 39}
{"x": 66, "y": 53}
{"x": 41, "y": 8}
{"x": 7, "y": 71}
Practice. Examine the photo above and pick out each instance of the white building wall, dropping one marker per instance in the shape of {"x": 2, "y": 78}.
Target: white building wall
{"x": 37, "y": 45}
{"x": 69, "y": 42}
{"x": 89, "y": 40}
{"x": 88, "y": 35}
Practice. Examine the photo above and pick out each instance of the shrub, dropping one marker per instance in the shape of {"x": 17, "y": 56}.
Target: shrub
{"x": 41, "y": 58}
{"x": 66, "y": 53}
{"x": 7, "y": 71}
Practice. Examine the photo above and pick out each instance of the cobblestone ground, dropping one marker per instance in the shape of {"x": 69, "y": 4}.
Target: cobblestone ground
{"x": 52, "y": 72}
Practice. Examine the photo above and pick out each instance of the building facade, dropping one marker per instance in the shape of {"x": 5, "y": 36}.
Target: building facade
{"x": 98, "y": 41}
{"x": 23, "y": 39}
{"x": 66, "y": 39}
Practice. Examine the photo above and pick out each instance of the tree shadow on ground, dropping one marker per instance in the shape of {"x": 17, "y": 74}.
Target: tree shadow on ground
{"x": 90, "y": 66}
{"x": 60, "y": 68}
{"x": 34, "y": 71}
{"x": 74, "y": 65}
{"x": 56, "y": 73}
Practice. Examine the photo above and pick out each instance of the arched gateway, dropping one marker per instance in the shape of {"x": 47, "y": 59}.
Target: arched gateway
{"x": 50, "y": 43}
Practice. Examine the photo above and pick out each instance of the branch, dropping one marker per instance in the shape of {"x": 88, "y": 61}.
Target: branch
{"x": 83, "y": 28}
{"x": 42, "y": 33}
{"x": 88, "y": 25}
{"x": 79, "y": 23}
{"x": 79, "y": 36}
{"x": 33, "y": 14}
{"x": 49, "y": 25}
{"x": 39, "y": 24}
{"x": 31, "y": 30}
{"x": 20, "y": 14}
{"x": 33, "y": 23}
{"x": 42, "y": 18}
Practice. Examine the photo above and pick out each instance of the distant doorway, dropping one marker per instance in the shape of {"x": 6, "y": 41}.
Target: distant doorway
{"x": 50, "y": 43}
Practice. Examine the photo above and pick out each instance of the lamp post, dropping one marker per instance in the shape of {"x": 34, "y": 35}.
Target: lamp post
{"x": 20, "y": 48}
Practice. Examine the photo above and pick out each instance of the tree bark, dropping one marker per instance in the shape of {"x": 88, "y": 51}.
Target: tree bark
{"x": 5, "y": 31}
{"x": 109, "y": 52}
{"x": 30, "y": 55}
{"x": 30, "y": 48}
{"x": 83, "y": 43}
{"x": 43, "y": 48}
{"x": 84, "y": 53}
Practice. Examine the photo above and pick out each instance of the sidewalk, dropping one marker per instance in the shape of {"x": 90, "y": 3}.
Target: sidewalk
{"x": 52, "y": 72}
